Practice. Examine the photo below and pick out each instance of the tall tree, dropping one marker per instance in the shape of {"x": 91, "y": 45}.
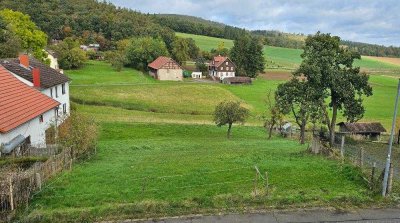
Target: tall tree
{"x": 142, "y": 51}
{"x": 329, "y": 69}
{"x": 300, "y": 99}
{"x": 70, "y": 56}
{"x": 32, "y": 39}
{"x": 229, "y": 112}
{"x": 10, "y": 45}
{"x": 275, "y": 116}
{"x": 180, "y": 50}
{"x": 247, "y": 54}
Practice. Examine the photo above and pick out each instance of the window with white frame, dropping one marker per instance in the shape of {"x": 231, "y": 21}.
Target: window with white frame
{"x": 64, "y": 108}
{"x": 231, "y": 68}
{"x": 63, "y": 89}
{"x": 56, "y": 89}
{"x": 51, "y": 92}
{"x": 41, "y": 119}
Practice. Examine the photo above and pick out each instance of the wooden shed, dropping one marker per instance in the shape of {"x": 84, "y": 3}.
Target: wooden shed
{"x": 237, "y": 80}
{"x": 371, "y": 130}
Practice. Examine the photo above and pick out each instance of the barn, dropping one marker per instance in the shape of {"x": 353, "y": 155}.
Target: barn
{"x": 165, "y": 69}
{"x": 371, "y": 130}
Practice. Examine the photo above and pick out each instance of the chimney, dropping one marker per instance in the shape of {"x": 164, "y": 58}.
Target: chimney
{"x": 36, "y": 77}
{"x": 24, "y": 60}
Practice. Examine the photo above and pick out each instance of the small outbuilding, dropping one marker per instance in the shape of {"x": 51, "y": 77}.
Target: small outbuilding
{"x": 197, "y": 75}
{"x": 237, "y": 80}
{"x": 371, "y": 130}
{"x": 165, "y": 69}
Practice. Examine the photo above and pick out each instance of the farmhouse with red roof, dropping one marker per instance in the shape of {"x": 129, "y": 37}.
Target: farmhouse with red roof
{"x": 47, "y": 80}
{"x": 25, "y": 113}
{"x": 165, "y": 69}
{"x": 221, "y": 67}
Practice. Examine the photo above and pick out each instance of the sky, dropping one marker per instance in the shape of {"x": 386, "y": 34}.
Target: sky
{"x": 367, "y": 21}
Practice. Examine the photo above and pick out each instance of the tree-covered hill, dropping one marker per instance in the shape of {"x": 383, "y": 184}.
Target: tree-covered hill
{"x": 103, "y": 22}
{"x": 89, "y": 18}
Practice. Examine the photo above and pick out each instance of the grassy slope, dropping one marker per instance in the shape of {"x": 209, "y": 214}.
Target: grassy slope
{"x": 179, "y": 161}
{"x": 289, "y": 59}
{"x": 111, "y": 184}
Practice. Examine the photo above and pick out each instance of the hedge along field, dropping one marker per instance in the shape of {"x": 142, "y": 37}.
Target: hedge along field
{"x": 169, "y": 169}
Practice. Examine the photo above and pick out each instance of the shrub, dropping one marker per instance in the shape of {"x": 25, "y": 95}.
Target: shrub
{"x": 79, "y": 133}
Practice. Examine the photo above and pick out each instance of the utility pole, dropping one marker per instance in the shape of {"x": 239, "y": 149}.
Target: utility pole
{"x": 386, "y": 176}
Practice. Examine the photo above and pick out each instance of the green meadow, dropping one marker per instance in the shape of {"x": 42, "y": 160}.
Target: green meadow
{"x": 159, "y": 153}
{"x": 278, "y": 58}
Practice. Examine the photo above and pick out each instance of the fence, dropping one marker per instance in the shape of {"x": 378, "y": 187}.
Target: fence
{"x": 16, "y": 188}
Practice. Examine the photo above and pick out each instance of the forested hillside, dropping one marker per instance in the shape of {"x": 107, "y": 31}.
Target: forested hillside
{"x": 100, "y": 21}
{"x": 104, "y": 23}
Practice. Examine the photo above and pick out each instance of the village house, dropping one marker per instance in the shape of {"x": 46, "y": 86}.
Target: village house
{"x": 25, "y": 115}
{"x": 52, "y": 56}
{"x": 50, "y": 81}
{"x": 371, "y": 130}
{"x": 165, "y": 69}
{"x": 221, "y": 67}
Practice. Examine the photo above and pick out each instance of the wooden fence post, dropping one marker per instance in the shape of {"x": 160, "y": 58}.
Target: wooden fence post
{"x": 11, "y": 192}
{"x": 266, "y": 183}
{"x": 342, "y": 147}
{"x": 361, "y": 157}
{"x": 255, "y": 183}
{"x": 38, "y": 181}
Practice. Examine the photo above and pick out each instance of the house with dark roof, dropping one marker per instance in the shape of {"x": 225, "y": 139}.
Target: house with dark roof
{"x": 221, "y": 67}
{"x": 25, "y": 113}
{"x": 47, "y": 80}
{"x": 165, "y": 69}
{"x": 370, "y": 130}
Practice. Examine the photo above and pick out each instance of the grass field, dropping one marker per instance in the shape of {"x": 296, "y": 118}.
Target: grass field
{"x": 207, "y": 43}
{"x": 168, "y": 169}
{"x": 155, "y": 159}
{"x": 278, "y": 58}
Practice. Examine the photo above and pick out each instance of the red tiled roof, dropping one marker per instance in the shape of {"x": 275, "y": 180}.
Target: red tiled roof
{"x": 218, "y": 60}
{"x": 20, "y": 103}
{"x": 161, "y": 61}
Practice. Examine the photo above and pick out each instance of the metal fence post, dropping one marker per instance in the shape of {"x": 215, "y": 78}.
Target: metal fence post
{"x": 342, "y": 147}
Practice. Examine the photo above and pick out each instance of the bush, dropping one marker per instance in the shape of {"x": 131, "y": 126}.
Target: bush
{"x": 79, "y": 133}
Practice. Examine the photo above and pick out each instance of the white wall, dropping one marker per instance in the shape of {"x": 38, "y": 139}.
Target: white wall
{"x": 170, "y": 74}
{"x": 53, "y": 61}
{"x": 32, "y": 128}
{"x": 62, "y": 98}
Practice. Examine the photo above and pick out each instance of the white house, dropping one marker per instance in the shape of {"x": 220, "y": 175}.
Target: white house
{"x": 50, "y": 81}
{"x": 197, "y": 75}
{"x": 51, "y": 55}
{"x": 25, "y": 113}
{"x": 221, "y": 67}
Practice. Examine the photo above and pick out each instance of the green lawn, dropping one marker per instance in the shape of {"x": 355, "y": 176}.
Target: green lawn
{"x": 169, "y": 169}
{"x": 154, "y": 159}
{"x": 98, "y": 72}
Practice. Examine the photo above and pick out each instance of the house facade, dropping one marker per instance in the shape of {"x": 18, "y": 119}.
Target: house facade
{"x": 50, "y": 82}
{"x": 165, "y": 69}
{"x": 25, "y": 113}
{"x": 221, "y": 67}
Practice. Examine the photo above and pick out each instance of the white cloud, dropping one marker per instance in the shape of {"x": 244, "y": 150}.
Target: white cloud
{"x": 358, "y": 20}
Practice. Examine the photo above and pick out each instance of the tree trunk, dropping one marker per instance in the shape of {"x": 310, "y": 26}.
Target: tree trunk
{"x": 229, "y": 130}
{"x": 270, "y": 130}
{"x": 333, "y": 125}
{"x": 302, "y": 132}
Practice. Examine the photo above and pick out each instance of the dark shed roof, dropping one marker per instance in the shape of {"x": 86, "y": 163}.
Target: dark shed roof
{"x": 49, "y": 77}
{"x": 368, "y": 127}
{"x": 237, "y": 80}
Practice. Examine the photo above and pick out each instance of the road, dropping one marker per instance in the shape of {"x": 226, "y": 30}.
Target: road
{"x": 299, "y": 216}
